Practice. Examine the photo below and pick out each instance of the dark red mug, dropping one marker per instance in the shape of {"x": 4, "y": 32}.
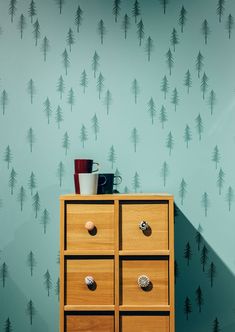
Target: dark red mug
{"x": 76, "y": 183}
{"x": 84, "y": 166}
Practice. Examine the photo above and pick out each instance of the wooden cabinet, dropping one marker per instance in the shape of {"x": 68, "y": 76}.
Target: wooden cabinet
{"x": 117, "y": 263}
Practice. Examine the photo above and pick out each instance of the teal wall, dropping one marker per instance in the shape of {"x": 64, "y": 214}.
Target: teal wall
{"x": 201, "y": 180}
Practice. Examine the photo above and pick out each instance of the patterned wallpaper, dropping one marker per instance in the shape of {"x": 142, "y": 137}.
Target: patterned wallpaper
{"x": 145, "y": 88}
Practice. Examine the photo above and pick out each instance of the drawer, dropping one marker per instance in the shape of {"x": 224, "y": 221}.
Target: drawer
{"x": 78, "y": 237}
{"x": 156, "y": 235}
{"x": 156, "y": 270}
{"x": 89, "y": 323}
{"x": 77, "y": 292}
{"x": 144, "y": 323}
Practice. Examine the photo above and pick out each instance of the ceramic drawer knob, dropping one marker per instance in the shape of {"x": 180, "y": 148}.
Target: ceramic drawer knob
{"x": 89, "y": 281}
{"x": 89, "y": 225}
{"x": 143, "y": 225}
{"x": 143, "y": 281}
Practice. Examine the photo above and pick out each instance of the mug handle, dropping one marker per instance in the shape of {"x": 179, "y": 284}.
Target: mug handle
{"x": 120, "y": 180}
{"x": 96, "y": 170}
{"x": 105, "y": 180}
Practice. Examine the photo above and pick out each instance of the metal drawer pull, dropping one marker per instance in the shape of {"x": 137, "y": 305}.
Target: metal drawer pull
{"x": 143, "y": 281}
{"x": 143, "y": 225}
{"x": 89, "y": 281}
{"x": 90, "y": 226}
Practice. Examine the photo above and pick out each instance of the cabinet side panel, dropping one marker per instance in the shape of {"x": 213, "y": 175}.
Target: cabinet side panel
{"x": 62, "y": 224}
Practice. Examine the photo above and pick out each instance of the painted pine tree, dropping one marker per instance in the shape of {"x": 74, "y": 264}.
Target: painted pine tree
{"x": 126, "y": 25}
{"x": 212, "y": 101}
{"x": 60, "y": 4}
{"x": 21, "y": 197}
{"x": 140, "y": 31}
{"x": 169, "y": 60}
{"x": 164, "y": 172}
{"x": 116, "y": 9}
{"x": 60, "y": 86}
{"x": 149, "y": 47}
{"x": 216, "y": 156}
{"x": 136, "y": 182}
{"x": 66, "y": 142}
{"x": 152, "y": 109}
{"x": 30, "y": 311}
{"x": 31, "y": 262}
{"x": 204, "y": 84}
{"x": 175, "y": 98}
{"x": 4, "y": 101}
{"x": 212, "y": 273}
{"x": 65, "y": 61}
{"x": 100, "y": 84}
{"x": 83, "y": 135}
{"x": 70, "y": 40}
{"x": 8, "y": 325}
{"x": 134, "y": 138}
{"x": 45, "y": 220}
{"x": 165, "y": 86}
{"x": 31, "y": 90}
{"x": 60, "y": 172}
{"x": 101, "y": 30}
{"x": 182, "y": 18}
{"x": 199, "y": 126}
{"x": 220, "y": 180}
{"x": 216, "y": 326}
{"x": 36, "y": 204}
{"x": 8, "y": 156}
{"x": 32, "y": 183}
{"x": 84, "y": 80}
{"x": 71, "y": 99}
{"x": 22, "y": 25}
{"x": 199, "y": 298}
{"x": 188, "y": 80}
{"x": 78, "y": 18}
{"x": 199, "y": 64}
{"x": 187, "y": 307}
{"x": 229, "y": 25}
{"x": 47, "y": 282}
{"x": 187, "y": 135}
{"x": 47, "y": 109}
{"x": 31, "y": 138}
{"x": 57, "y": 289}
{"x": 4, "y": 274}
{"x": 220, "y": 9}
{"x": 174, "y": 39}
{"x": 229, "y": 197}
{"x": 95, "y": 126}
{"x": 170, "y": 142}
{"x": 32, "y": 10}
{"x": 163, "y": 116}
{"x": 205, "y": 202}
{"x": 198, "y": 237}
{"x": 12, "y": 180}
{"x": 108, "y": 100}
{"x": 182, "y": 190}
{"x": 112, "y": 156}
{"x": 12, "y": 9}
{"x": 205, "y": 30}
{"x": 204, "y": 257}
{"x": 36, "y": 31}
{"x": 135, "y": 89}
{"x": 45, "y": 47}
{"x": 58, "y": 116}
{"x": 95, "y": 63}
{"x": 188, "y": 253}
{"x": 136, "y": 10}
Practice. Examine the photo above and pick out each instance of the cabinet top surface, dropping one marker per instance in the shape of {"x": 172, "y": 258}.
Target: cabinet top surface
{"x": 132, "y": 196}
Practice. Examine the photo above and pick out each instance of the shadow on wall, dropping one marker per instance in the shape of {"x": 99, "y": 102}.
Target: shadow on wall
{"x": 205, "y": 287}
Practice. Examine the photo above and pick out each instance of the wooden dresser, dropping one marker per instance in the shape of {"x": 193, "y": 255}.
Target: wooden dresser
{"x": 117, "y": 263}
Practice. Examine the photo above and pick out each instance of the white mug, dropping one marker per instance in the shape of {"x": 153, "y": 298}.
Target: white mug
{"x": 88, "y": 183}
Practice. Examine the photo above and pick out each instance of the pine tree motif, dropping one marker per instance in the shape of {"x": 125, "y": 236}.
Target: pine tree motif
{"x": 163, "y": 116}
{"x": 36, "y": 204}
{"x": 112, "y": 156}
{"x": 60, "y": 86}
{"x": 108, "y": 100}
{"x": 126, "y": 25}
{"x": 220, "y": 180}
{"x": 135, "y": 89}
{"x": 175, "y": 98}
{"x": 36, "y": 31}
{"x": 136, "y": 182}
{"x": 60, "y": 4}
{"x": 47, "y": 109}
{"x": 212, "y": 273}
{"x": 220, "y": 9}
{"x": 4, "y": 274}
{"x": 83, "y": 135}
{"x": 21, "y": 197}
{"x": 140, "y": 31}
{"x": 95, "y": 126}
{"x": 134, "y": 138}
{"x": 31, "y": 262}
{"x": 71, "y": 99}
{"x": 187, "y": 135}
{"x": 199, "y": 298}
{"x": 8, "y": 156}
{"x": 182, "y": 190}
{"x": 45, "y": 220}
{"x": 188, "y": 253}
{"x": 176, "y": 268}
{"x": 149, "y": 47}
{"x": 78, "y": 18}
{"x": 216, "y": 326}
{"x": 170, "y": 142}
{"x": 229, "y": 26}
{"x": 212, "y": 101}
{"x": 22, "y": 25}
{"x": 4, "y": 101}
{"x": 126, "y": 190}
{"x": 216, "y": 156}
{"x": 205, "y": 202}
{"x": 164, "y": 4}
{"x": 65, "y": 60}
{"x": 8, "y": 326}
{"x": 66, "y": 143}
{"x": 31, "y": 90}
{"x": 199, "y": 126}
{"x": 95, "y": 63}
{"x": 182, "y": 18}
{"x": 199, "y": 63}
{"x": 205, "y": 30}
{"x": 188, "y": 80}
{"x": 204, "y": 257}
{"x": 70, "y": 39}
{"x": 47, "y": 282}
{"x": 12, "y": 180}
{"x": 30, "y": 311}
{"x": 31, "y": 138}
{"x": 57, "y": 289}
{"x": 136, "y": 10}
{"x": 32, "y": 10}
{"x": 229, "y": 197}
{"x": 164, "y": 86}
{"x": 152, "y": 109}
{"x": 164, "y": 172}
{"x": 84, "y": 80}
{"x": 45, "y": 47}
{"x": 116, "y": 9}
{"x": 198, "y": 237}
{"x": 100, "y": 84}
{"x": 12, "y": 9}
{"x": 60, "y": 172}
{"x": 169, "y": 60}
{"x": 101, "y": 30}
{"x": 58, "y": 116}
{"x": 174, "y": 38}
{"x": 187, "y": 307}
{"x": 32, "y": 183}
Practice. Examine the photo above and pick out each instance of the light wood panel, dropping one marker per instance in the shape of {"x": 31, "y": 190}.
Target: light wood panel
{"x": 148, "y": 323}
{"x": 91, "y": 323}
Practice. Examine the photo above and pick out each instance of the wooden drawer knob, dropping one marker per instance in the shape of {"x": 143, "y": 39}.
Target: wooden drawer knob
{"x": 143, "y": 225}
{"x": 90, "y": 226}
{"x": 143, "y": 281}
{"x": 89, "y": 281}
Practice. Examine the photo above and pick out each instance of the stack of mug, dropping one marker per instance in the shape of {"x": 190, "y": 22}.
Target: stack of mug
{"x": 88, "y": 182}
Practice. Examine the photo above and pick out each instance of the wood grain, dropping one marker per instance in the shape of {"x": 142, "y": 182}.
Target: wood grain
{"x": 97, "y": 323}
{"x": 145, "y": 323}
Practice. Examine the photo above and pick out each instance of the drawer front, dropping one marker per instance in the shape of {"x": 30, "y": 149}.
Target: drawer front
{"x": 156, "y": 293}
{"x": 89, "y": 323}
{"x": 77, "y": 292}
{"x": 78, "y": 237}
{"x": 155, "y": 237}
{"x": 145, "y": 323}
